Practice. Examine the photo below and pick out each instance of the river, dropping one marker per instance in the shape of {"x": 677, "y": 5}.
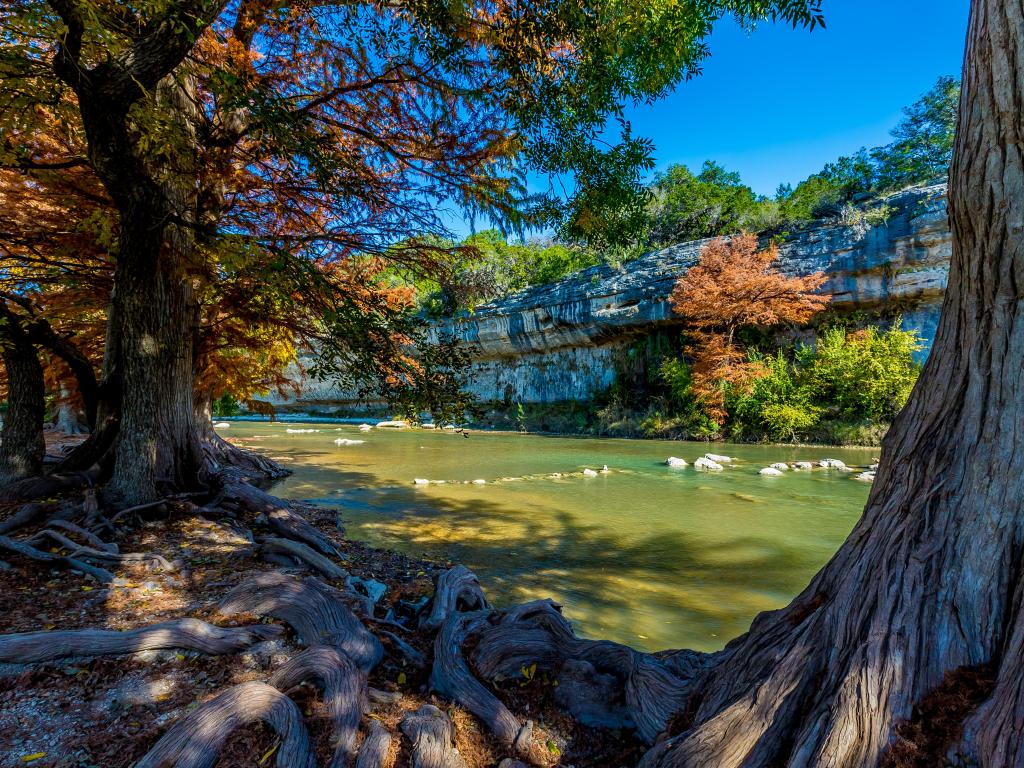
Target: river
{"x": 648, "y": 555}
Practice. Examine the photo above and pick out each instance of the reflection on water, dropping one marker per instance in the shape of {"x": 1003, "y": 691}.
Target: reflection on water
{"x": 648, "y": 555}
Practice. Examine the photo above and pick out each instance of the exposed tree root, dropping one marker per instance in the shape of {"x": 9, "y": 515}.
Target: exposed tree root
{"x": 44, "y": 486}
{"x": 187, "y": 634}
{"x": 305, "y": 555}
{"x": 195, "y": 740}
{"x": 94, "y": 541}
{"x": 25, "y": 550}
{"x": 653, "y": 692}
{"x": 279, "y": 515}
{"x": 27, "y": 515}
{"x": 458, "y": 589}
{"x": 344, "y": 691}
{"x": 452, "y": 678}
{"x": 433, "y": 739}
{"x": 316, "y": 611}
{"x": 149, "y": 559}
{"x": 374, "y": 751}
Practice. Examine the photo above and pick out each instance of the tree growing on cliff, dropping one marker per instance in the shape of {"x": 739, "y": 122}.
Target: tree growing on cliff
{"x": 733, "y": 286}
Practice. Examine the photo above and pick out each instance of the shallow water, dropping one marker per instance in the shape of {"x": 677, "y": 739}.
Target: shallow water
{"x": 647, "y": 555}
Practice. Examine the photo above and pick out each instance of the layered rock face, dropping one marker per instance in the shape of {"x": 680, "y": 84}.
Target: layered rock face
{"x": 558, "y": 342}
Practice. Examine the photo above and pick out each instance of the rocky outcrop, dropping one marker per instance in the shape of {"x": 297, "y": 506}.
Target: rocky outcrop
{"x": 558, "y": 341}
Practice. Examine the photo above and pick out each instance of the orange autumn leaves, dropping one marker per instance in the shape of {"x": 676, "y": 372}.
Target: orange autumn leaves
{"x": 734, "y": 286}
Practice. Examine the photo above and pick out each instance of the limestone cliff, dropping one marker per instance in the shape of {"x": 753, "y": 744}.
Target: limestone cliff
{"x": 557, "y": 342}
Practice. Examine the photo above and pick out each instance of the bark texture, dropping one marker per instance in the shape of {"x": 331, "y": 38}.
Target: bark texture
{"x": 344, "y": 692}
{"x": 316, "y": 612}
{"x": 187, "y": 634}
{"x": 929, "y": 581}
{"x": 195, "y": 741}
{"x": 21, "y": 439}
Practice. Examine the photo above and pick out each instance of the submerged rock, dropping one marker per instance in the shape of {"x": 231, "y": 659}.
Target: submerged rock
{"x": 589, "y": 473}
{"x": 421, "y": 481}
{"x": 365, "y": 427}
{"x": 398, "y": 424}
{"x": 345, "y": 441}
{"x": 770, "y": 472}
{"x": 222, "y": 425}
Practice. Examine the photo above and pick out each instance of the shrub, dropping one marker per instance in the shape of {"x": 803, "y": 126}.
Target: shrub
{"x": 865, "y": 374}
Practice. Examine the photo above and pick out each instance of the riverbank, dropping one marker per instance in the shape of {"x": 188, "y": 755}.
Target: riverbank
{"x": 587, "y": 419}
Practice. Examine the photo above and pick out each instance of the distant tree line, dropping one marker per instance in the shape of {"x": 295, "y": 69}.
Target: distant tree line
{"x": 683, "y": 205}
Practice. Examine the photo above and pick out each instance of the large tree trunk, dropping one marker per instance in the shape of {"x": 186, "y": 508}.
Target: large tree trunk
{"x": 21, "y": 440}
{"x": 157, "y": 315}
{"x": 929, "y": 582}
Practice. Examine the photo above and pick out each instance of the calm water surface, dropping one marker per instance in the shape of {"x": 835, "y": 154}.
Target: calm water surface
{"x": 647, "y": 555}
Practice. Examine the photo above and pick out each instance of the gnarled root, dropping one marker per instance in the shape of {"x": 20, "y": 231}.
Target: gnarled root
{"x": 60, "y": 561}
{"x": 344, "y": 691}
{"x": 452, "y": 678}
{"x": 374, "y": 751}
{"x": 149, "y": 559}
{"x": 457, "y": 590}
{"x": 651, "y": 691}
{"x": 316, "y": 611}
{"x": 433, "y": 739}
{"x": 305, "y": 555}
{"x": 187, "y": 634}
{"x": 195, "y": 740}
{"x": 279, "y": 515}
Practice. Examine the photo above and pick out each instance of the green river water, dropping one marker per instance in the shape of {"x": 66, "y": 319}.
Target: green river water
{"x": 647, "y": 555}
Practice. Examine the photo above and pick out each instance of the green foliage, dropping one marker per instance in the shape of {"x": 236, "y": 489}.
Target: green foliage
{"x": 862, "y": 375}
{"x": 226, "y": 405}
{"x": 685, "y": 206}
{"x": 688, "y": 207}
{"x": 486, "y": 265}
{"x": 846, "y": 386}
{"x": 923, "y": 145}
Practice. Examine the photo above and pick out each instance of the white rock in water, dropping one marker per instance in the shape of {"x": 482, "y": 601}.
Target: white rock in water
{"x": 873, "y": 467}
{"x": 300, "y": 431}
{"x": 428, "y": 425}
{"x": 450, "y": 427}
{"x": 673, "y": 461}
{"x": 708, "y": 465}
{"x": 345, "y": 441}
{"x": 832, "y": 464}
{"x": 421, "y": 481}
{"x": 780, "y": 466}
{"x": 605, "y": 470}
{"x": 479, "y": 482}
{"x": 222, "y": 425}
{"x": 770, "y": 472}
{"x": 393, "y": 424}
{"x": 867, "y": 477}
{"x": 589, "y": 473}
{"x": 802, "y": 465}
{"x": 365, "y": 427}
{"x": 715, "y": 457}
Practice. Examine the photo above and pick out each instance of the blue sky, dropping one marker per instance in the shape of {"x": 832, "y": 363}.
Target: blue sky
{"x": 776, "y": 104}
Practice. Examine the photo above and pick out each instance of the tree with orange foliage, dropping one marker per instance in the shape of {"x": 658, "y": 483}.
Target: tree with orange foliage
{"x": 735, "y": 285}
{"x": 281, "y": 139}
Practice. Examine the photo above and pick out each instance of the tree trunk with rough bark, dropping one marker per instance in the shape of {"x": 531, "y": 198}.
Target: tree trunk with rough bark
{"x": 928, "y": 585}
{"x": 21, "y": 439}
